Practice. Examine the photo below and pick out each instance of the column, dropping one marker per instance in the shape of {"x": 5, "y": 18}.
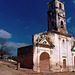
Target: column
{"x": 18, "y": 66}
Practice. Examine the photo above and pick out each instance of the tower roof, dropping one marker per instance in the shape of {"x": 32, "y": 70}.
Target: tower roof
{"x": 55, "y": 1}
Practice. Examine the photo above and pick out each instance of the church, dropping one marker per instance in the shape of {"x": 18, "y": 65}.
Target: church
{"x": 52, "y": 50}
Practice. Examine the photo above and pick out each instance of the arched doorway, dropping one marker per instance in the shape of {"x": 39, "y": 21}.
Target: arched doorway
{"x": 64, "y": 63}
{"x": 44, "y": 62}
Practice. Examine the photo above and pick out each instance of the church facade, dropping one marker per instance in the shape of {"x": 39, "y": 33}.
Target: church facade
{"x": 52, "y": 50}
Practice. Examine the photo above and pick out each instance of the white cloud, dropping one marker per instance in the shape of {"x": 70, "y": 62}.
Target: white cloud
{"x": 5, "y": 34}
{"x": 69, "y": 19}
{"x": 74, "y": 1}
{"x": 15, "y": 45}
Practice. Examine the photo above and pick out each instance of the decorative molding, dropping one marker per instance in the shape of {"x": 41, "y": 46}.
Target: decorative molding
{"x": 64, "y": 56}
{"x": 46, "y": 46}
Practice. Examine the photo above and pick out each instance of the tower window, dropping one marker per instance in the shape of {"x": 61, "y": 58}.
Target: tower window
{"x": 52, "y": 6}
{"x": 60, "y": 6}
{"x": 52, "y": 24}
{"x": 49, "y": 8}
{"x": 62, "y": 24}
{"x": 44, "y": 42}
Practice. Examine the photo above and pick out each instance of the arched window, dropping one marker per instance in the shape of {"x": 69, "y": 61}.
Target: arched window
{"x": 62, "y": 24}
{"x": 44, "y": 42}
{"x": 52, "y": 23}
{"x": 60, "y": 6}
{"x": 52, "y": 6}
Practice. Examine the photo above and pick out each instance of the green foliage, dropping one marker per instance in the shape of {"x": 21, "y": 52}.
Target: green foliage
{"x": 9, "y": 57}
{"x": 4, "y": 49}
{"x": 14, "y": 58}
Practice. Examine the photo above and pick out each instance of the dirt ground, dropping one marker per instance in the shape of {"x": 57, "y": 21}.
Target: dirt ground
{"x": 7, "y": 68}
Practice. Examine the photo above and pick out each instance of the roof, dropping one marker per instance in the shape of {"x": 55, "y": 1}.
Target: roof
{"x": 56, "y": 32}
{"x": 59, "y": 33}
{"x": 25, "y": 46}
{"x": 54, "y": 0}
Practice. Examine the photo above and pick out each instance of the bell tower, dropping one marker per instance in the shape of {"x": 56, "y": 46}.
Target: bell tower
{"x": 56, "y": 16}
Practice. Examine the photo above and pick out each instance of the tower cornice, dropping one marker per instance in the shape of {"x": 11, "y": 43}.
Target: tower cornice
{"x": 57, "y": 8}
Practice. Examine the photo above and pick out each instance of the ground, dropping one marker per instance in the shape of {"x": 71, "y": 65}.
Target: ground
{"x": 7, "y": 68}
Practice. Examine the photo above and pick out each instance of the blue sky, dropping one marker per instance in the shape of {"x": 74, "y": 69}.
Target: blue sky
{"x": 20, "y": 19}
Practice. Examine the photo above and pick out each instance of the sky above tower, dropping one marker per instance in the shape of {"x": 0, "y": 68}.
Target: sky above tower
{"x": 20, "y": 19}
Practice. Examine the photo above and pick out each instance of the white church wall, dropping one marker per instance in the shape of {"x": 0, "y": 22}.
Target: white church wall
{"x": 61, "y": 51}
{"x": 69, "y": 52}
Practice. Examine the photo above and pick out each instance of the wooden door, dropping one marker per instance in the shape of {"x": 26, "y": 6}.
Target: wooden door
{"x": 44, "y": 62}
{"x": 64, "y": 63}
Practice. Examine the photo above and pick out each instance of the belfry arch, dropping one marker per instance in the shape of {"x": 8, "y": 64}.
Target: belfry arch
{"x": 44, "y": 61}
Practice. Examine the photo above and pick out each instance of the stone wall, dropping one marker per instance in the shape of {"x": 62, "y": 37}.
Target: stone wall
{"x": 25, "y": 56}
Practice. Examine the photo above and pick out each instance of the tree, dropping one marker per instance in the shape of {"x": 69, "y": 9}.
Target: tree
{"x": 4, "y": 49}
{"x": 14, "y": 58}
